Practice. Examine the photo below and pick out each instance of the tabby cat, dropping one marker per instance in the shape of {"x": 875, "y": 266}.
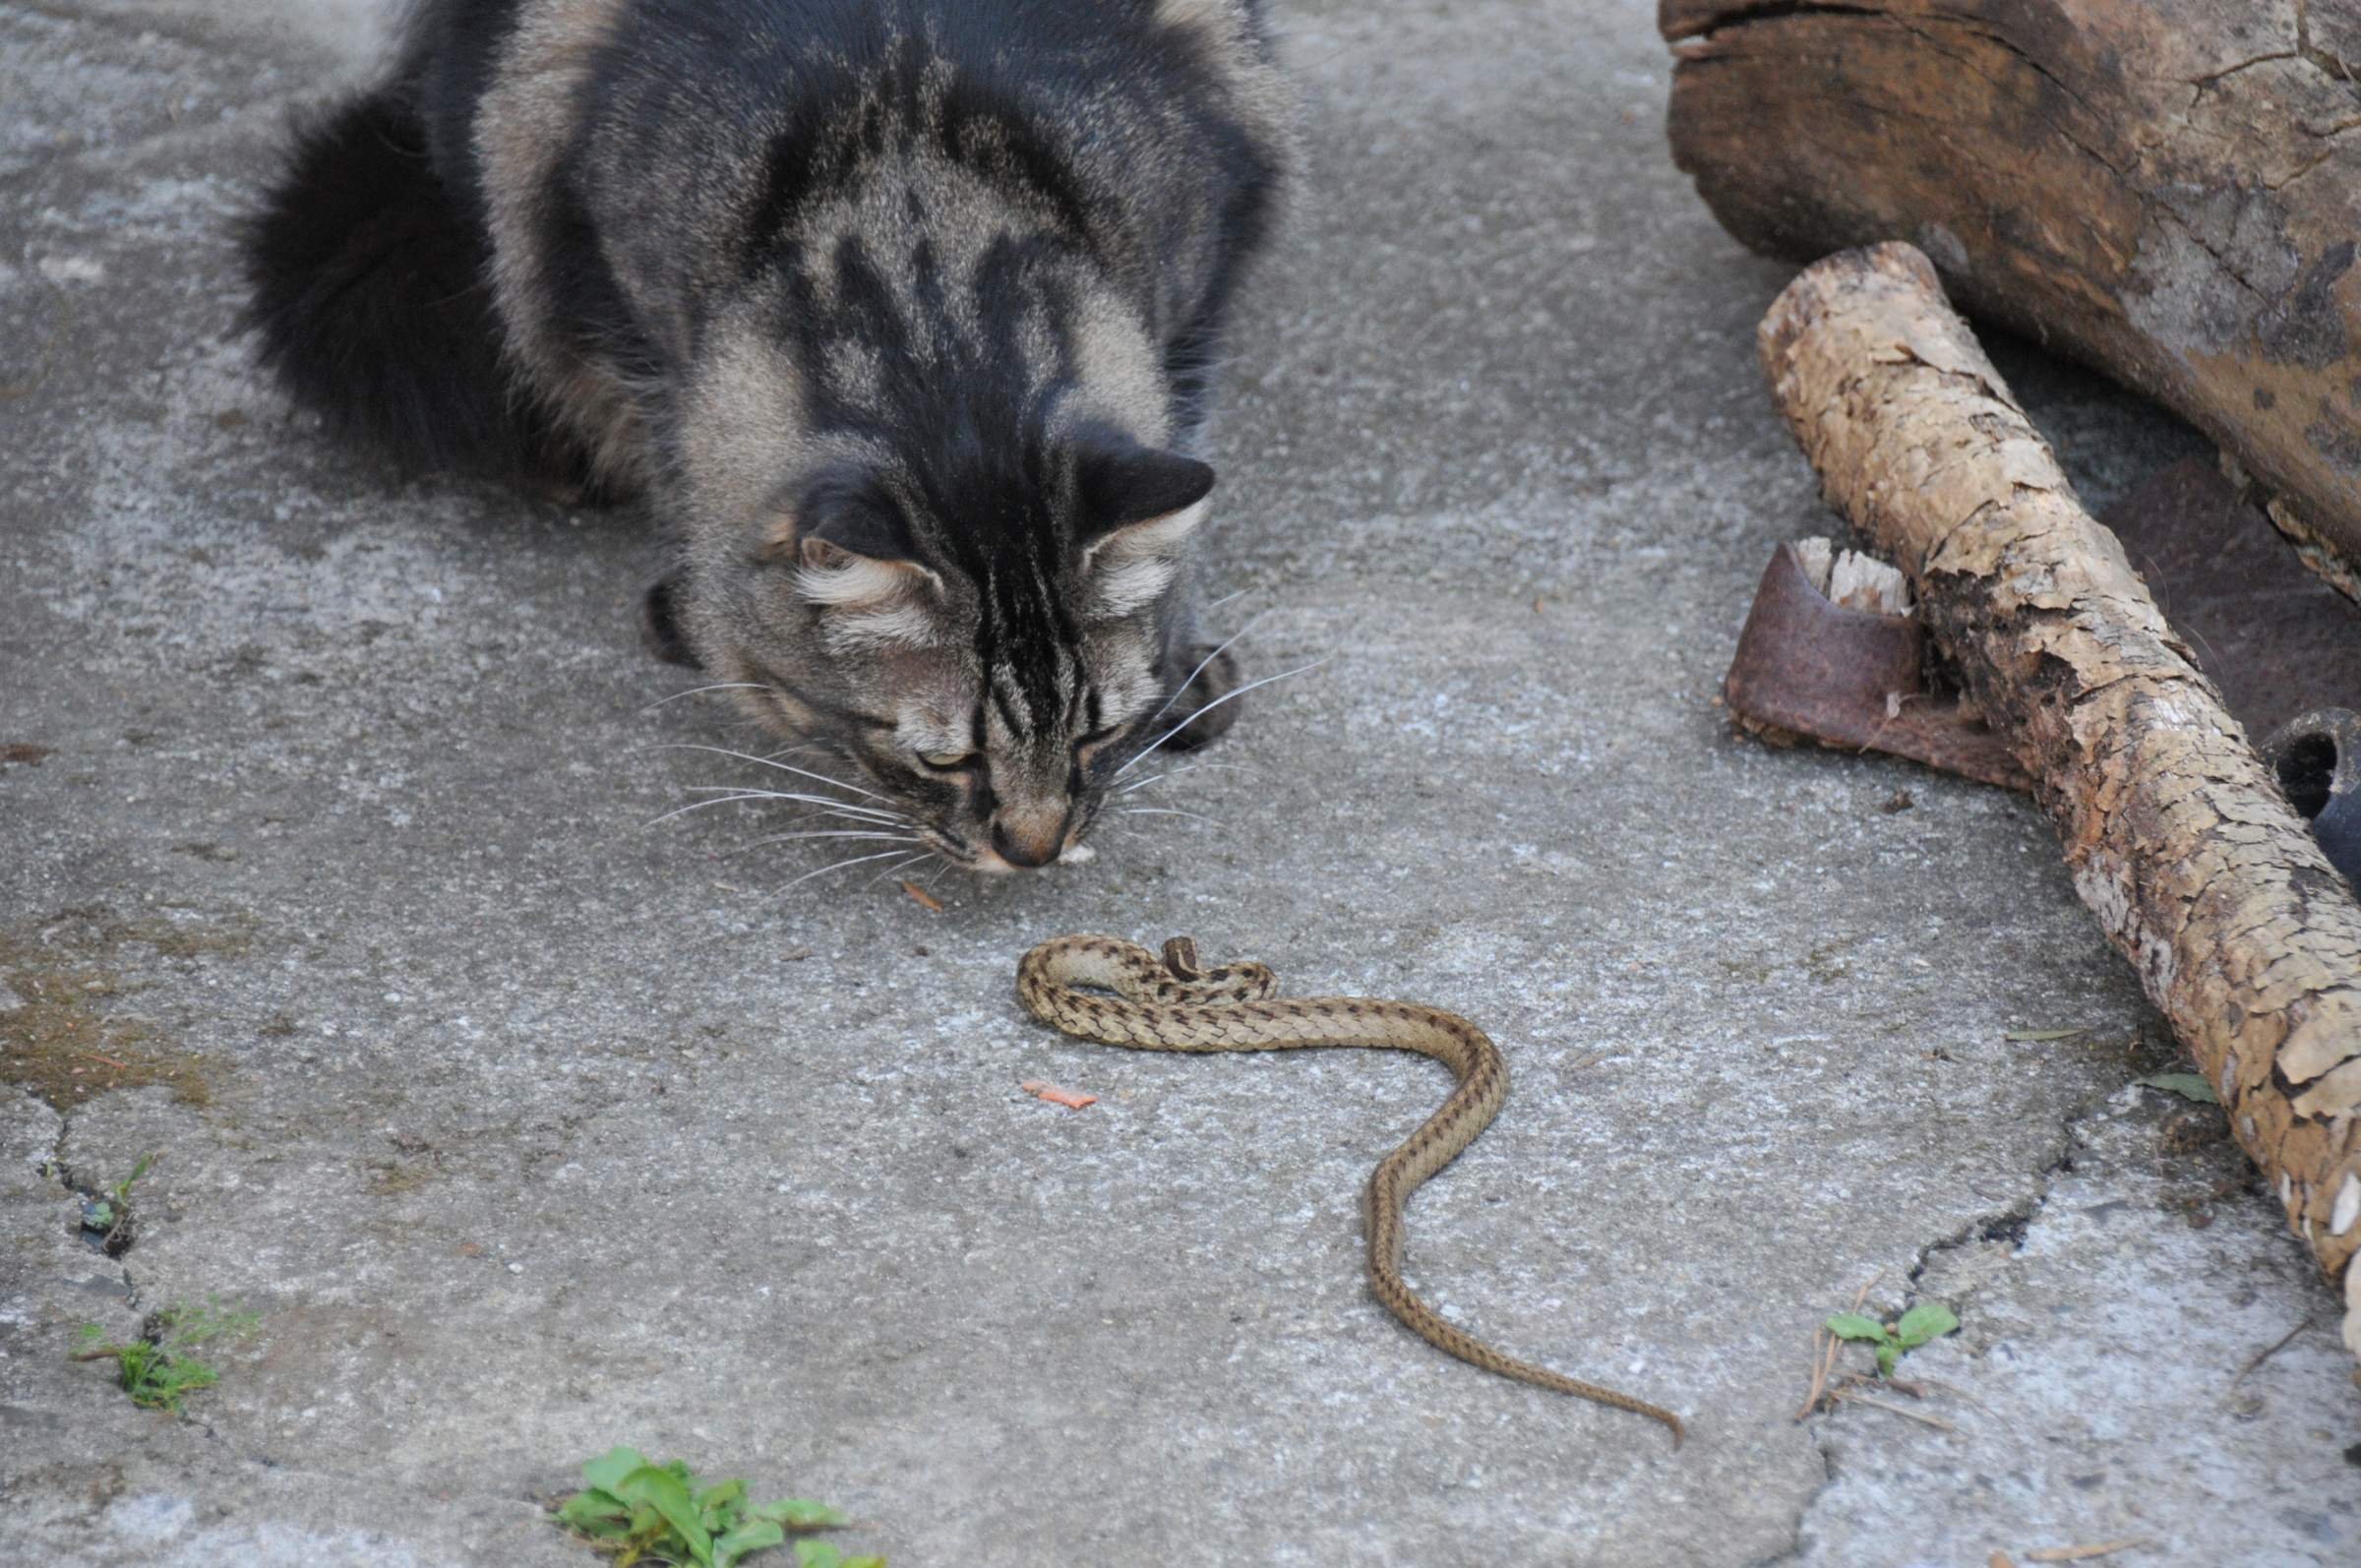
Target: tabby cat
{"x": 899, "y": 313}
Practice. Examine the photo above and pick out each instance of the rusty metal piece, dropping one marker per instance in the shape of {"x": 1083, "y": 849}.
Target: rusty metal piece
{"x": 2271, "y": 637}
{"x": 1852, "y": 679}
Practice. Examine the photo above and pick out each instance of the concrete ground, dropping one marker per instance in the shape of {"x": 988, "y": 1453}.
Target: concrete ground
{"x": 529, "y": 1129}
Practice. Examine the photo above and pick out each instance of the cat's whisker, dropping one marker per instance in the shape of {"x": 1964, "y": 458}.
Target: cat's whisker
{"x": 836, "y": 820}
{"x": 1185, "y": 767}
{"x": 1163, "y": 811}
{"x": 1233, "y": 692}
{"x": 698, "y": 805}
{"x": 812, "y": 824}
{"x": 748, "y": 757}
{"x": 718, "y": 686}
{"x": 788, "y": 838}
{"x": 878, "y": 819}
{"x": 755, "y": 793}
{"x": 845, "y": 809}
{"x": 1202, "y": 663}
{"x": 857, "y": 860}
{"x": 897, "y": 866}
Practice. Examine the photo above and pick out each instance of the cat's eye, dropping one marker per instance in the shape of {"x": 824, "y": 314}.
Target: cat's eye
{"x": 947, "y": 762}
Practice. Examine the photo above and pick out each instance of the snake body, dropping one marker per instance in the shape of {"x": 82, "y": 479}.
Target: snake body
{"x": 1175, "y": 1005}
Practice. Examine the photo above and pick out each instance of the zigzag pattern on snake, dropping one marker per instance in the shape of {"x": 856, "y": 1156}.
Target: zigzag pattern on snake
{"x": 1177, "y": 1005}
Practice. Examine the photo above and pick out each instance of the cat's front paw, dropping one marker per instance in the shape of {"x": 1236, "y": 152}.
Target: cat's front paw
{"x": 1210, "y": 717}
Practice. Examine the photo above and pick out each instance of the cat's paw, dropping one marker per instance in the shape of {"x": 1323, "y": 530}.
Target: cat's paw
{"x": 1210, "y": 717}
{"x": 660, "y": 624}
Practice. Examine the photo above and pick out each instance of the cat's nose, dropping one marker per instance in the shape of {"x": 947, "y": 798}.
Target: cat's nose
{"x": 1029, "y": 841}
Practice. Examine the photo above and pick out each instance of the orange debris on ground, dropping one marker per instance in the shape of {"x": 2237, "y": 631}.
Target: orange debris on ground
{"x": 1069, "y": 1098}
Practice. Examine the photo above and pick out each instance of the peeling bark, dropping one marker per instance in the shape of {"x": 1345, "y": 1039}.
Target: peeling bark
{"x": 2176, "y": 836}
{"x": 2169, "y": 191}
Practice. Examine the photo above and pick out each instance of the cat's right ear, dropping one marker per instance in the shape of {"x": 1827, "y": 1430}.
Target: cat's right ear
{"x": 1123, "y": 485}
{"x": 1140, "y": 506}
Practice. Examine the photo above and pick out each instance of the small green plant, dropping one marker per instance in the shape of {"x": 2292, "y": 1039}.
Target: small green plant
{"x": 647, "y": 1513}
{"x": 2188, "y": 1085}
{"x": 156, "y": 1369}
{"x": 820, "y": 1554}
{"x": 1928, "y": 1320}
{"x": 108, "y": 1215}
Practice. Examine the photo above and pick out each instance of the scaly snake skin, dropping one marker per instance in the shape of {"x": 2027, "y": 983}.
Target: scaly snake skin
{"x": 1176, "y": 1006}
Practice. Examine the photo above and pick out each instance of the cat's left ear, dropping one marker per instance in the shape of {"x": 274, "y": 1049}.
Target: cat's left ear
{"x": 1139, "y": 507}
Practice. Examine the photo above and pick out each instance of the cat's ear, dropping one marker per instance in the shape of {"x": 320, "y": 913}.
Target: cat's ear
{"x": 660, "y": 623}
{"x": 850, "y": 549}
{"x": 1124, "y": 484}
{"x": 1139, "y": 507}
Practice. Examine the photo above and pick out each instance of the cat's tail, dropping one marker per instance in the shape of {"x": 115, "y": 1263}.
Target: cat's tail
{"x": 370, "y": 296}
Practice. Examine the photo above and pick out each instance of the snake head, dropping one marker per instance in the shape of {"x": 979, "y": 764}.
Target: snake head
{"x": 1180, "y": 959}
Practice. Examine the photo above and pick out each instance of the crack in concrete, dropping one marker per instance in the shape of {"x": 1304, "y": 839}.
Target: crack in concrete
{"x": 2009, "y": 1224}
{"x": 72, "y": 1190}
{"x": 1803, "y": 1511}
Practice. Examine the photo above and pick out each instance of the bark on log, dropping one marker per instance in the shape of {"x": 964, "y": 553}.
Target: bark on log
{"x": 2197, "y": 867}
{"x": 2169, "y": 190}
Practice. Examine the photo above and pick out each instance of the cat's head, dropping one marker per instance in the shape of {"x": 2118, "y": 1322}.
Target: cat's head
{"x": 985, "y": 642}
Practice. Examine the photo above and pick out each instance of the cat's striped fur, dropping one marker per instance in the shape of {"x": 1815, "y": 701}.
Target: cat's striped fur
{"x": 900, "y": 312}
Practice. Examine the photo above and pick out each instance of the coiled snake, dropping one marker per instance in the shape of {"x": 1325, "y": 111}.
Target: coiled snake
{"x": 1177, "y": 1005}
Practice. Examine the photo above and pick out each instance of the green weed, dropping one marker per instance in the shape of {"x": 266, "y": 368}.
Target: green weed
{"x": 107, "y": 1217}
{"x": 156, "y": 1369}
{"x": 647, "y": 1513}
{"x": 1928, "y": 1320}
{"x": 2188, "y": 1085}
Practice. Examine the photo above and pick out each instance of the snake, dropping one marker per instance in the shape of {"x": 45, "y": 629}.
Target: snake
{"x": 1117, "y": 992}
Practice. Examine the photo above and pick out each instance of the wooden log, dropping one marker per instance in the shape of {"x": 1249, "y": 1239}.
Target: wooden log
{"x": 2168, "y": 190}
{"x": 2198, "y": 871}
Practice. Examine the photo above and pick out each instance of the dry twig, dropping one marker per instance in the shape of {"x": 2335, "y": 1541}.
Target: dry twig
{"x": 1920, "y": 1417}
{"x": 2261, "y": 1357}
{"x": 1824, "y": 1352}
{"x": 2081, "y": 1553}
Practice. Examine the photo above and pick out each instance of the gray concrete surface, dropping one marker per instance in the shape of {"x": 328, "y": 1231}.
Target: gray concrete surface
{"x": 529, "y": 1129}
